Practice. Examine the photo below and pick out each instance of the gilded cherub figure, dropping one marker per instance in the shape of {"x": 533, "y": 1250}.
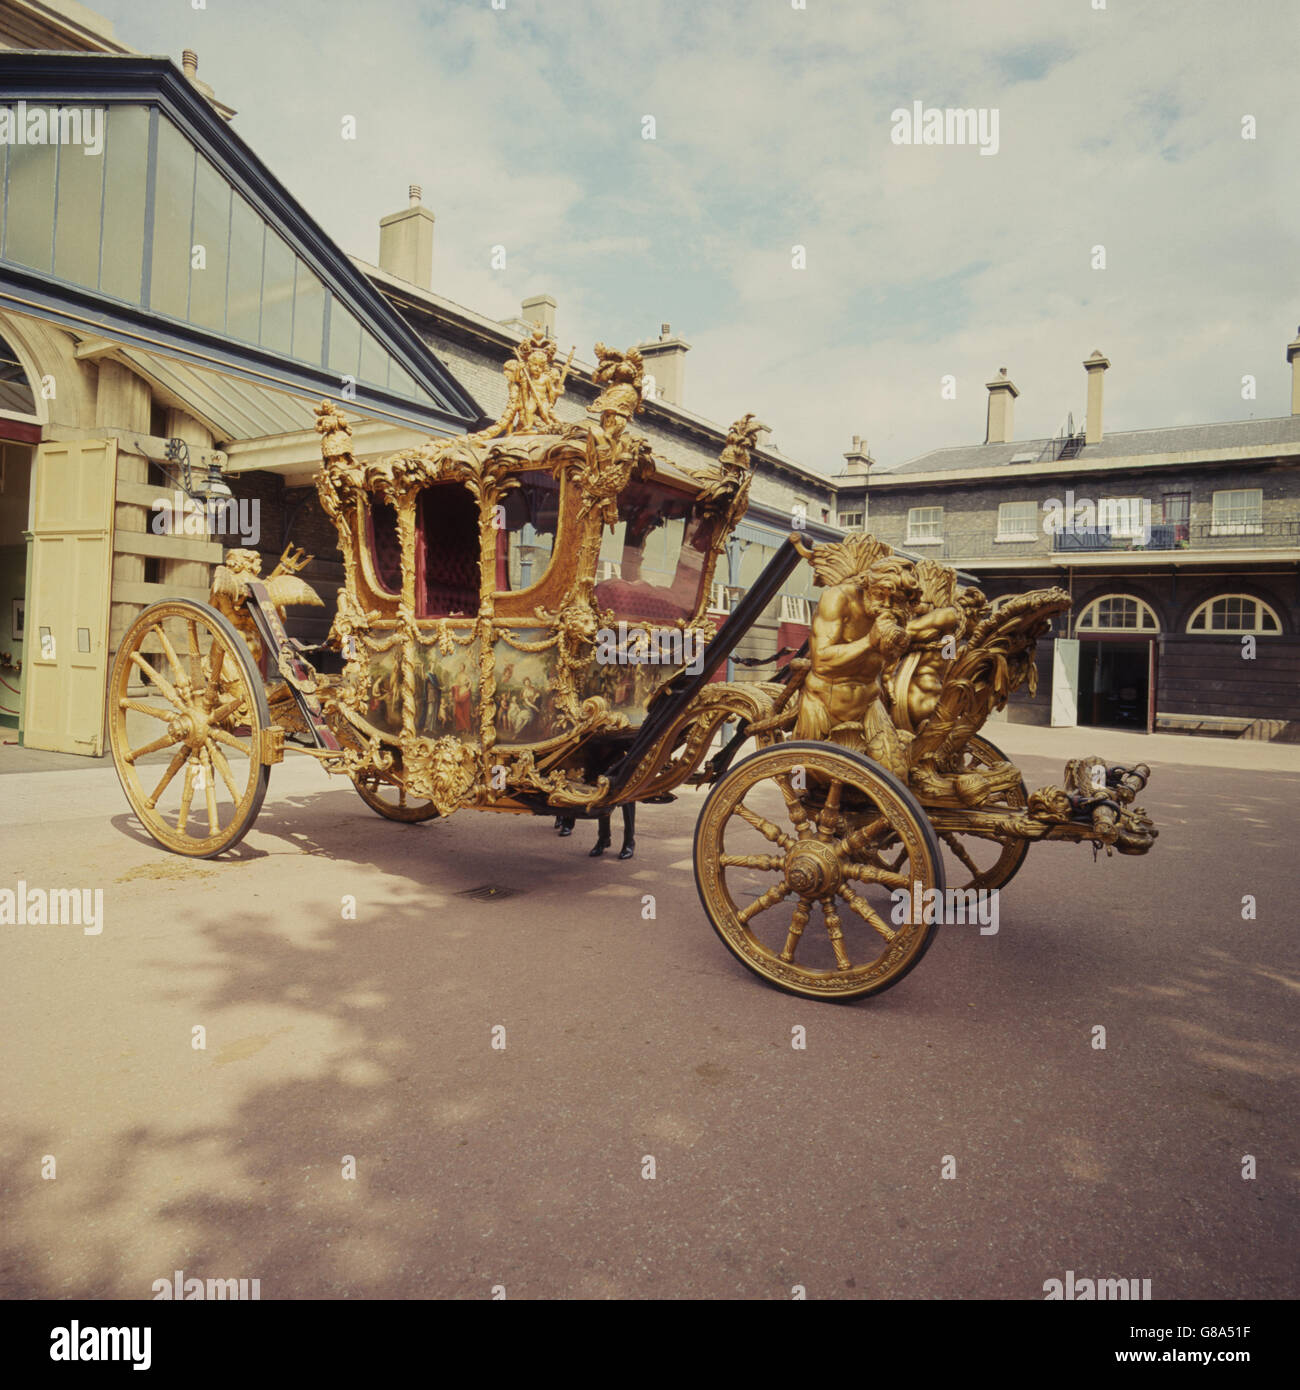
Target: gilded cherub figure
{"x": 865, "y": 621}
{"x": 612, "y": 455}
{"x": 535, "y": 382}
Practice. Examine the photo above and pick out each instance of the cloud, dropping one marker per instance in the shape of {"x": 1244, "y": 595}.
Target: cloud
{"x": 1119, "y": 128}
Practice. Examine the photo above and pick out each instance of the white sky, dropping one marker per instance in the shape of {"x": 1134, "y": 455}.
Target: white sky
{"x": 1120, "y": 127}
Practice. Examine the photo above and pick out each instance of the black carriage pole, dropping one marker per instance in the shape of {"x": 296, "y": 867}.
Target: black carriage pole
{"x": 682, "y": 689}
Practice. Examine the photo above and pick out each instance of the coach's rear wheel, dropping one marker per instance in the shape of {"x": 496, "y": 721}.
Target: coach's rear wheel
{"x": 791, "y": 834}
{"x": 187, "y": 724}
{"x": 980, "y": 861}
{"x": 389, "y": 799}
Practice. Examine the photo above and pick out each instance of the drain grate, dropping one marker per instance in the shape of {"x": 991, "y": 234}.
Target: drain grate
{"x": 488, "y": 893}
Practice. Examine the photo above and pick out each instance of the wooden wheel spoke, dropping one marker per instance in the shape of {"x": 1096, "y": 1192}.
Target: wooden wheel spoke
{"x": 871, "y": 918}
{"x": 196, "y": 654}
{"x": 764, "y": 826}
{"x": 216, "y": 670}
{"x": 829, "y": 816}
{"x": 210, "y": 793}
{"x": 836, "y": 933}
{"x": 752, "y": 861}
{"x": 170, "y": 652}
{"x": 959, "y": 850}
{"x": 153, "y": 711}
{"x": 187, "y": 796}
{"x": 768, "y": 899}
{"x": 872, "y": 873}
{"x": 172, "y": 769}
{"x": 220, "y": 762}
{"x": 802, "y": 911}
{"x": 165, "y": 741}
{"x": 863, "y": 838}
{"x": 794, "y": 805}
{"x": 225, "y": 710}
{"x": 230, "y": 741}
{"x": 161, "y": 681}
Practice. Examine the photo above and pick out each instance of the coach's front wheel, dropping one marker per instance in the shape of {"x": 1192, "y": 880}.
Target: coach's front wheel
{"x": 788, "y": 869}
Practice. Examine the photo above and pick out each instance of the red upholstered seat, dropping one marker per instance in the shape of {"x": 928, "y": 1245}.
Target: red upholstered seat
{"x": 636, "y": 599}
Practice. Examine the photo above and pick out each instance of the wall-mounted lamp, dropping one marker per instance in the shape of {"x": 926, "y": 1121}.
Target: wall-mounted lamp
{"x": 213, "y": 487}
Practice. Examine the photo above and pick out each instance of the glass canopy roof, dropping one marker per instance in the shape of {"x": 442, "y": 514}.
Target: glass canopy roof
{"x": 144, "y": 219}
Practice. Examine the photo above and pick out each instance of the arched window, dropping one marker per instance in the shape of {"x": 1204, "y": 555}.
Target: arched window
{"x": 1117, "y": 613}
{"x": 16, "y": 394}
{"x": 1235, "y": 613}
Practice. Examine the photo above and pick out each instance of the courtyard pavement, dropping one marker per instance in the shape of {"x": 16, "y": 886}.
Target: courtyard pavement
{"x": 333, "y": 1043}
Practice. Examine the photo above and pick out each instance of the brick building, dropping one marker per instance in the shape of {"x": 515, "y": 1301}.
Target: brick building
{"x": 1175, "y": 544}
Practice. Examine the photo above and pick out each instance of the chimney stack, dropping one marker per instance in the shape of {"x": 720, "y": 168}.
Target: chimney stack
{"x": 665, "y": 360}
{"x": 1095, "y": 366}
{"x": 539, "y": 310}
{"x": 1293, "y": 357}
{"x": 406, "y": 242}
{"x": 1002, "y": 394}
{"x": 858, "y": 459}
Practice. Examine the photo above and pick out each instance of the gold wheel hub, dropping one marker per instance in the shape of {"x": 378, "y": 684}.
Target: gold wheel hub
{"x": 812, "y": 869}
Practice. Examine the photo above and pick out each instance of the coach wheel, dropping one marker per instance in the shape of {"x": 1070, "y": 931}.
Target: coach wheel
{"x": 389, "y": 799}
{"x": 187, "y": 725}
{"x": 791, "y": 834}
{"x": 981, "y": 861}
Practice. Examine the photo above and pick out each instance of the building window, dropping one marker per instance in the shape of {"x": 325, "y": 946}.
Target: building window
{"x": 1126, "y": 518}
{"x": 719, "y": 598}
{"x": 16, "y": 394}
{"x": 851, "y": 521}
{"x": 1117, "y": 613}
{"x": 1176, "y": 512}
{"x": 1235, "y": 613}
{"x": 795, "y": 610}
{"x": 1239, "y": 512}
{"x": 924, "y": 525}
{"x": 1017, "y": 521}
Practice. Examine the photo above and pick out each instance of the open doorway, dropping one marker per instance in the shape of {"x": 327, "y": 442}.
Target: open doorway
{"x": 1115, "y": 679}
{"x": 15, "y": 485}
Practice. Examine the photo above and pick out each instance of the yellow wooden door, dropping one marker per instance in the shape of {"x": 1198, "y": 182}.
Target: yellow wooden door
{"x": 66, "y": 654}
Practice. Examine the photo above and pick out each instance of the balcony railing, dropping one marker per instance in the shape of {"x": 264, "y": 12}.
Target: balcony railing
{"x": 1160, "y": 537}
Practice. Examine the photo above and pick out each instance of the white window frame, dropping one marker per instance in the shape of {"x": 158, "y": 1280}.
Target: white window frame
{"x": 1087, "y": 622}
{"x": 719, "y": 599}
{"x": 1205, "y": 611}
{"x": 795, "y": 609}
{"x": 1009, "y": 533}
{"x": 1224, "y": 520}
{"x": 852, "y": 521}
{"x": 935, "y": 538}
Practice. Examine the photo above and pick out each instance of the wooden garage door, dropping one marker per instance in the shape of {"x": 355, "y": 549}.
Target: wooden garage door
{"x": 66, "y": 652}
